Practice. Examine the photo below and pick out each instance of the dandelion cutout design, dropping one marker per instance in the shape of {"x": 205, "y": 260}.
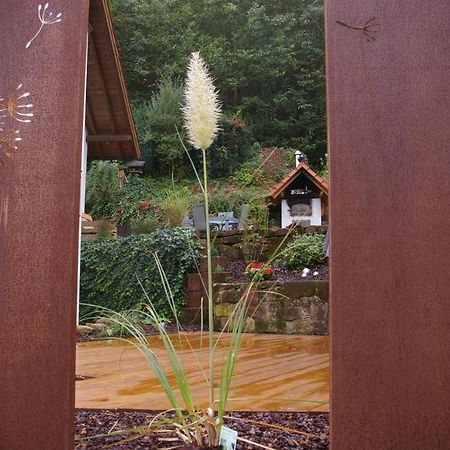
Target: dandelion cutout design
{"x": 8, "y": 142}
{"x": 13, "y": 108}
{"x": 16, "y": 107}
{"x": 46, "y": 17}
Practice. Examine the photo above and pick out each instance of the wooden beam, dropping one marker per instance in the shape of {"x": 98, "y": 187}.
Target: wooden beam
{"x": 91, "y": 124}
{"x": 109, "y": 138}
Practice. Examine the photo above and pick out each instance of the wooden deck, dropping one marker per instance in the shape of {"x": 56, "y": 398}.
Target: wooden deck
{"x": 273, "y": 373}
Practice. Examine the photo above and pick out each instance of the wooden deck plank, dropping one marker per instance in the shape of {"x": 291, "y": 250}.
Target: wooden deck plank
{"x": 273, "y": 372}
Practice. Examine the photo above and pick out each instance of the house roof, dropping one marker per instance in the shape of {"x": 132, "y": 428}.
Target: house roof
{"x": 302, "y": 168}
{"x": 109, "y": 120}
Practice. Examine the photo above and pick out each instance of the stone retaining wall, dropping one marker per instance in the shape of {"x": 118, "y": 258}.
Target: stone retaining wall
{"x": 290, "y": 307}
{"x": 239, "y": 245}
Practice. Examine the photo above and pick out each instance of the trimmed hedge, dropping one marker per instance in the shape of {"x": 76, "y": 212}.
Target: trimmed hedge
{"x": 110, "y": 270}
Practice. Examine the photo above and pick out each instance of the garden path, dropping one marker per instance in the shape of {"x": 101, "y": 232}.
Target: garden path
{"x": 273, "y": 373}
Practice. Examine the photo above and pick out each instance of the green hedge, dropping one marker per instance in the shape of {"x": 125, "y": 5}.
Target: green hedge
{"x": 110, "y": 270}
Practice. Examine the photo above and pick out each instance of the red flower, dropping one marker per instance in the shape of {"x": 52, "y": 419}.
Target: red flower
{"x": 144, "y": 206}
{"x": 263, "y": 271}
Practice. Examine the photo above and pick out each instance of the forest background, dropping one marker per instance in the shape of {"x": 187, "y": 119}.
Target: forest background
{"x": 267, "y": 59}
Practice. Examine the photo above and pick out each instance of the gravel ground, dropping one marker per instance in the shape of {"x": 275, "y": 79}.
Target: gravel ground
{"x": 277, "y": 430}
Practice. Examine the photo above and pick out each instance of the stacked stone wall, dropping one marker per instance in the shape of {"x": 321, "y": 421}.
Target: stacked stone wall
{"x": 291, "y": 307}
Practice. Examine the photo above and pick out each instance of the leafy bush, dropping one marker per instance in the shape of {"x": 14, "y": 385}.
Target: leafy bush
{"x": 128, "y": 203}
{"x": 101, "y": 182}
{"x": 230, "y": 198}
{"x": 268, "y": 59}
{"x": 305, "y": 250}
{"x": 131, "y": 317}
{"x": 323, "y": 170}
{"x": 278, "y": 162}
{"x": 110, "y": 270}
{"x": 258, "y": 218}
{"x": 250, "y": 173}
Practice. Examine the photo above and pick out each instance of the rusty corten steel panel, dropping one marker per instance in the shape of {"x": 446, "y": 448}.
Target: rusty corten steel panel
{"x": 389, "y": 144}
{"x": 39, "y": 213}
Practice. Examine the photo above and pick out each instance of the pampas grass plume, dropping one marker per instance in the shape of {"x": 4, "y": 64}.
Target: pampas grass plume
{"x": 201, "y": 104}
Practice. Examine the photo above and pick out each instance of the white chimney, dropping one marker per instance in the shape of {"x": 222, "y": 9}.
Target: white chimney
{"x": 298, "y": 158}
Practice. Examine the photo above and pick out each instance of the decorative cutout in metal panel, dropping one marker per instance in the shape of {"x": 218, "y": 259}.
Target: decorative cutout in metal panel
{"x": 13, "y": 108}
{"x": 46, "y": 17}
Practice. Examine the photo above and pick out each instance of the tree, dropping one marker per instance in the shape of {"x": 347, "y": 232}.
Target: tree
{"x": 267, "y": 58}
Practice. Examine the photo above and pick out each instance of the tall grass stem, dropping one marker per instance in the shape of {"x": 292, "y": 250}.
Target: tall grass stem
{"x": 210, "y": 285}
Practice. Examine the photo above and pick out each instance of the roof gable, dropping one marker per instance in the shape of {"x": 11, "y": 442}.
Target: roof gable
{"x": 109, "y": 120}
{"x": 302, "y": 168}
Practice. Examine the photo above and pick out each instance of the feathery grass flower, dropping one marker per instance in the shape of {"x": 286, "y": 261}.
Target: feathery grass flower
{"x": 202, "y": 108}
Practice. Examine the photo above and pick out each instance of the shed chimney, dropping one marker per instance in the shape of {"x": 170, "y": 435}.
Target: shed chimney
{"x": 298, "y": 158}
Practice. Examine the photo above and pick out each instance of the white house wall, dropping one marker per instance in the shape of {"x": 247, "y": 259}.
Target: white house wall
{"x": 83, "y": 173}
{"x": 315, "y": 218}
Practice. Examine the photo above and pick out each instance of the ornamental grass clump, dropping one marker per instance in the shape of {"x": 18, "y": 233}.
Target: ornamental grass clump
{"x": 190, "y": 423}
{"x": 202, "y": 113}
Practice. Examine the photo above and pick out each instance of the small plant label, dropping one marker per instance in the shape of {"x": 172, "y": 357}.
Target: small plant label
{"x": 228, "y": 438}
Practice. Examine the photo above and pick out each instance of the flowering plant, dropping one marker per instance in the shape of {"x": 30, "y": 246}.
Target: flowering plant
{"x": 144, "y": 206}
{"x": 258, "y": 271}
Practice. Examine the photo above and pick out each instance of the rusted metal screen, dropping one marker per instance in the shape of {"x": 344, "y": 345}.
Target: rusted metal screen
{"x": 42, "y": 98}
{"x": 388, "y": 78}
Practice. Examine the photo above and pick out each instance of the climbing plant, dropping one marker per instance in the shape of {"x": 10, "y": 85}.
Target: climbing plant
{"x": 112, "y": 271}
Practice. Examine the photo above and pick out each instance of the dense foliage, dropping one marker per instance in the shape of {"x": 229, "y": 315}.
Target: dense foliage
{"x": 150, "y": 203}
{"x": 305, "y": 250}
{"x": 111, "y": 270}
{"x": 266, "y": 56}
{"x": 135, "y": 202}
{"x": 101, "y": 183}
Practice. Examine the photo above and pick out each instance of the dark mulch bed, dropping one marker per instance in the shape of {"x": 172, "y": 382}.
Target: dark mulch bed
{"x": 149, "y": 331}
{"x": 306, "y": 431}
{"x": 237, "y": 273}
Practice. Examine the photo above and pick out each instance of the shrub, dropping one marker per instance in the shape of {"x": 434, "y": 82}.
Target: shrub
{"x": 128, "y": 203}
{"x": 101, "y": 182}
{"x": 230, "y": 198}
{"x": 250, "y": 173}
{"x": 258, "y": 218}
{"x": 305, "y": 250}
{"x": 110, "y": 270}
